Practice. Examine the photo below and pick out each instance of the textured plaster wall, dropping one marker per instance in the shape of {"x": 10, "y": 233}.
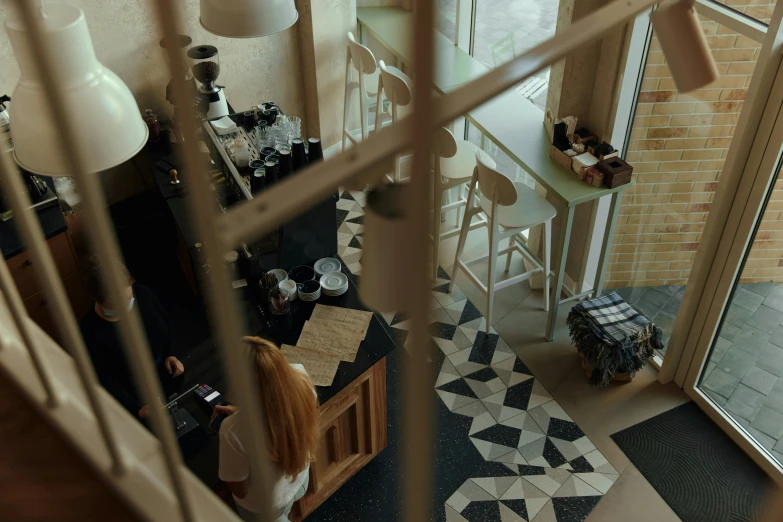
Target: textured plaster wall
{"x": 323, "y": 29}
{"x": 125, "y": 37}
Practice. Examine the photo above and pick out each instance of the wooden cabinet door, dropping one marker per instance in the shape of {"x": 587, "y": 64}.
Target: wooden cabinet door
{"x": 40, "y": 311}
{"x": 353, "y": 431}
{"x": 344, "y": 436}
{"x": 21, "y": 266}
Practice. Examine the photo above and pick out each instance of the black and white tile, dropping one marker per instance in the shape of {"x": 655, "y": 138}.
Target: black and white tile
{"x": 533, "y": 463}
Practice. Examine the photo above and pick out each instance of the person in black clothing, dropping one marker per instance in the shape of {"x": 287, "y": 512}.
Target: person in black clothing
{"x": 101, "y": 335}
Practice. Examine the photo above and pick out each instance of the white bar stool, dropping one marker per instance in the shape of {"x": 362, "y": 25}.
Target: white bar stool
{"x": 453, "y": 164}
{"x": 361, "y": 60}
{"x": 396, "y": 87}
{"x": 511, "y": 208}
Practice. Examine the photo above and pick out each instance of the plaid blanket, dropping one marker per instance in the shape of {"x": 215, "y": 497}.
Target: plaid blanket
{"x": 611, "y": 317}
{"x": 613, "y": 337}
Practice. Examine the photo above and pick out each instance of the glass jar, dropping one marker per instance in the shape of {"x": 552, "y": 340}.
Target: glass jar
{"x": 279, "y": 301}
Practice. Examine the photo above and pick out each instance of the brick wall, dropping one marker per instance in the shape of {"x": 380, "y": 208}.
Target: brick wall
{"x": 678, "y": 146}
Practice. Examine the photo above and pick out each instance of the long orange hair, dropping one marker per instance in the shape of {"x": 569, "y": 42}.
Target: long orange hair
{"x": 290, "y": 405}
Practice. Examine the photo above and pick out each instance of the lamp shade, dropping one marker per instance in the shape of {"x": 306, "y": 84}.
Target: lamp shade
{"x": 684, "y": 45}
{"x": 247, "y": 18}
{"x": 109, "y": 129}
{"x": 386, "y": 266}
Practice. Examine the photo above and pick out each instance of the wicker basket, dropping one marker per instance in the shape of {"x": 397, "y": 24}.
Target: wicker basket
{"x": 620, "y": 377}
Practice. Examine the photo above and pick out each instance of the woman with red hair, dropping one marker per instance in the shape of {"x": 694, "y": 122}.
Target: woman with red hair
{"x": 291, "y": 410}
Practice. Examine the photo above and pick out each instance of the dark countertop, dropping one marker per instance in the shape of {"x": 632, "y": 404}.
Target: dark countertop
{"x": 163, "y": 156}
{"x": 52, "y": 222}
{"x": 376, "y": 345}
{"x": 200, "y": 446}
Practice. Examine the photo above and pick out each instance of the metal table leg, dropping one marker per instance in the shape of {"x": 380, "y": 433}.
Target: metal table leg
{"x": 561, "y": 266}
{"x": 607, "y": 244}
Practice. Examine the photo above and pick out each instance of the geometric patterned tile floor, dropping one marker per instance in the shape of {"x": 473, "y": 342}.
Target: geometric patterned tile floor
{"x": 538, "y": 465}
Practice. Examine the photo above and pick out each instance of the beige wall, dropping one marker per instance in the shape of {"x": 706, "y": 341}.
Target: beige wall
{"x": 125, "y": 37}
{"x": 323, "y": 27}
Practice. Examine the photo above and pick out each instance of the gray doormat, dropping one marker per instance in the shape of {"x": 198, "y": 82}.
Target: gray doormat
{"x": 696, "y": 468}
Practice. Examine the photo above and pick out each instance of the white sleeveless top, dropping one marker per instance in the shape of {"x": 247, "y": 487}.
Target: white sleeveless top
{"x": 234, "y": 467}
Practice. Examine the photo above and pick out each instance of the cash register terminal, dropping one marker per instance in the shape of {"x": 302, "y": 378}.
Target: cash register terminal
{"x": 182, "y": 419}
{"x": 211, "y": 398}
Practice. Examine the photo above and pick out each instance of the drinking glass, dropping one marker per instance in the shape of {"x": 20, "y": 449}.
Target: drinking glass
{"x": 295, "y": 130}
{"x": 279, "y": 301}
{"x": 264, "y": 138}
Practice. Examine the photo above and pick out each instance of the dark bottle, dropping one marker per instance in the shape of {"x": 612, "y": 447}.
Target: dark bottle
{"x": 274, "y": 112}
{"x": 316, "y": 152}
{"x": 258, "y": 181}
{"x": 285, "y": 164}
{"x": 270, "y": 173}
{"x": 299, "y": 158}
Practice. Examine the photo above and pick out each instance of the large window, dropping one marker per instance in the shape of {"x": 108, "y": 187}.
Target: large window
{"x": 506, "y": 28}
{"x": 447, "y": 19}
{"x": 760, "y": 10}
{"x": 503, "y": 29}
{"x": 678, "y": 144}
{"x": 746, "y": 360}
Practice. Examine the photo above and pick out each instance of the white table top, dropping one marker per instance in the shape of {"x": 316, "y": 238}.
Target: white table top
{"x": 393, "y": 28}
{"x": 509, "y": 120}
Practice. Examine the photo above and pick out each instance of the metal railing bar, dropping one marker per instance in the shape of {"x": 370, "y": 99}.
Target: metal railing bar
{"x": 418, "y": 399}
{"x": 265, "y": 212}
{"x": 52, "y": 286}
{"x": 103, "y": 241}
{"x": 19, "y": 315}
{"x": 224, "y": 309}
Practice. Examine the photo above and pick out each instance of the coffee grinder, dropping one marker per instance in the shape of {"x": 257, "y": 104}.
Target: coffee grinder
{"x": 205, "y": 65}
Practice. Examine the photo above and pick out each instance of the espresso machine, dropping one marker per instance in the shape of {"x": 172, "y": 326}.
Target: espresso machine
{"x": 205, "y": 64}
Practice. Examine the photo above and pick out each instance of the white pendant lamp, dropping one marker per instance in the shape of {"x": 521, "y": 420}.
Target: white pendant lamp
{"x": 108, "y": 125}
{"x": 247, "y": 18}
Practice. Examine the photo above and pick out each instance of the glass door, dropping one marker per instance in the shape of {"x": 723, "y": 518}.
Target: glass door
{"x": 741, "y": 375}
{"x": 678, "y": 144}
{"x": 729, "y": 351}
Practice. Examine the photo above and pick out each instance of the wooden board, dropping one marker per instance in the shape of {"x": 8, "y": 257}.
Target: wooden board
{"x": 344, "y": 317}
{"x": 320, "y": 366}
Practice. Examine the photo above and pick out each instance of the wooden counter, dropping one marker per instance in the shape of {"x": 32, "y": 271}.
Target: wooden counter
{"x": 353, "y": 432}
{"x": 353, "y": 420}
